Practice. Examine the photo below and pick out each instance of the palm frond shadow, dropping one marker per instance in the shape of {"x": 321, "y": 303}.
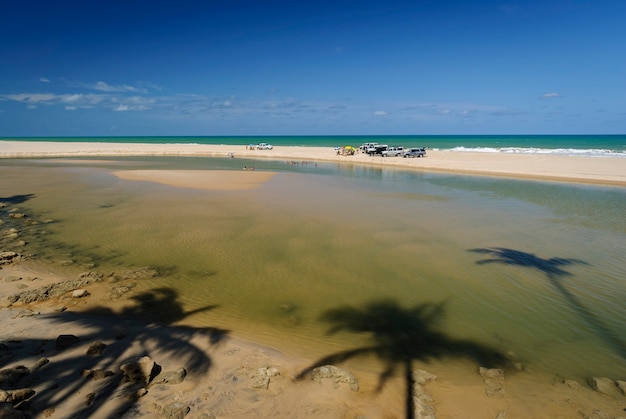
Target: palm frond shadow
{"x": 16, "y": 199}
{"x": 128, "y": 335}
{"x": 554, "y": 271}
{"x": 399, "y": 336}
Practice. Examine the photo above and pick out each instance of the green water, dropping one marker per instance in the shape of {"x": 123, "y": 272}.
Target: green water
{"x": 319, "y": 237}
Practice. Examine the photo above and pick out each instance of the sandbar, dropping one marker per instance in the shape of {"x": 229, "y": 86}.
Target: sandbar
{"x": 216, "y": 180}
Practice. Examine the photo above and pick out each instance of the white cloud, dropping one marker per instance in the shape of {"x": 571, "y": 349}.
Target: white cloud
{"x": 121, "y": 108}
{"x": 105, "y": 87}
{"x": 70, "y": 108}
{"x": 44, "y": 80}
{"x": 380, "y": 113}
{"x": 71, "y": 98}
{"x": 31, "y": 97}
{"x": 551, "y": 95}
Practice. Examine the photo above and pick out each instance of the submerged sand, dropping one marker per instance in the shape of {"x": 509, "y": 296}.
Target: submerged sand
{"x": 222, "y": 371}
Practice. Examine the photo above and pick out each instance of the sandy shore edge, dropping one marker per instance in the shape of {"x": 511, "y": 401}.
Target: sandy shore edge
{"x": 577, "y": 169}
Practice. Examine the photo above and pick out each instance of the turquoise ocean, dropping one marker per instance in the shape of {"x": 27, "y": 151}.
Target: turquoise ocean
{"x": 593, "y": 145}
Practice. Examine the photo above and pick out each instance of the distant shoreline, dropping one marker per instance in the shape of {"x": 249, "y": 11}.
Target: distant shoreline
{"x": 561, "y": 168}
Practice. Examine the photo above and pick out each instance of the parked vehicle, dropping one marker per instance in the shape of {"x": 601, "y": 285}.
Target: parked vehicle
{"x": 365, "y": 146}
{"x": 415, "y": 152}
{"x": 377, "y": 149}
{"x": 393, "y": 152}
{"x": 264, "y": 146}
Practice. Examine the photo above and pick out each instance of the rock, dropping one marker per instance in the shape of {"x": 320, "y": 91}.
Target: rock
{"x": 171, "y": 377}
{"x": 8, "y": 257}
{"x": 422, "y": 377}
{"x": 66, "y": 341}
{"x": 97, "y": 374}
{"x": 26, "y": 313}
{"x": 622, "y": 386}
{"x": 96, "y": 348}
{"x": 501, "y": 415}
{"x": 604, "y": 385}
{"x": 337, "y": 375}
{"x": 423, "y": 410}
{"x": 493, "y": 378}
{"x": 141, "y": 273}
{"x": 80, "y": 293}
{"x": 7, "y": 411}
{"x": 261, "y": 377}
{"x": 91, "y": 275}
{"x": 40, "y": 363}
{"x": 491, "y": 373}
{"x": 573, "y": 385}
{"x": 52, "y": 290}
{"x": 176, "y": 410}
{"x": 15, "y": 396}
{"x": 11, "y": 376}
{"x": 141, "y": 371}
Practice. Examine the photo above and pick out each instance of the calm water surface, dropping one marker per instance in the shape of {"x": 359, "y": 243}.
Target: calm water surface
{"x": 532, "y": 267}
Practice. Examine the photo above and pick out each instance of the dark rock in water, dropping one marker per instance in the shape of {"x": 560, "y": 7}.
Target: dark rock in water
{"x": 66, "y": 341}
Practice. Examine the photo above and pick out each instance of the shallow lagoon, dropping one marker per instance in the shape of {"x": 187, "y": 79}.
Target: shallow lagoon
{"x": 531, "y": 267}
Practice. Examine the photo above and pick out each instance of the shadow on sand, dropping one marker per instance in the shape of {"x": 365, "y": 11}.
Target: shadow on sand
{"x": 398, "y": 337}
{"x": 554, "y": 270}
{"x": 127, "y": 336}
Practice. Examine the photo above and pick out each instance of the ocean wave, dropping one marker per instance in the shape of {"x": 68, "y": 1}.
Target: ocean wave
{"x": 531, "y": 150}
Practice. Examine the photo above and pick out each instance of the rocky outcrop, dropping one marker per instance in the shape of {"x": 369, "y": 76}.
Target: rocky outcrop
{"x": 604, "y": 385}
{"x": 141, "y": 371}
{"x": 421, "y": 400}
{"x": 9, "y": 257}
{"x": 261, "y": 377}
{"x": 55, "y": 290}
{"x": 336, "y": 375}
{"x": 494, "y": 379}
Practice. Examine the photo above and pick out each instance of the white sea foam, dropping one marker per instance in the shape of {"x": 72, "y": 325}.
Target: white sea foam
{"x": 553, "y": 151}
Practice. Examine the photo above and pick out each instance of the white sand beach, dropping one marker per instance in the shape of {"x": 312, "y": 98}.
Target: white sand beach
{"x": 582, "y": 169}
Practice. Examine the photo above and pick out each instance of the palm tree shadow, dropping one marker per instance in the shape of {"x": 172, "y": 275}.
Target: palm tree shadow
{"x": 554, "y": 271}
{"x": 16, "y": 199}
{"x": 128, "y": 336}
{"x": 400, "y": 336}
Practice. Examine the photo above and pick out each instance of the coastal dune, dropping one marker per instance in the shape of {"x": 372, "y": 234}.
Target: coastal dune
{"x": 580, "y": 169}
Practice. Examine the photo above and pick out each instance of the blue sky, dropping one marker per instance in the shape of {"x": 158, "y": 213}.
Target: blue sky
{"x": 229, "y": 67}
